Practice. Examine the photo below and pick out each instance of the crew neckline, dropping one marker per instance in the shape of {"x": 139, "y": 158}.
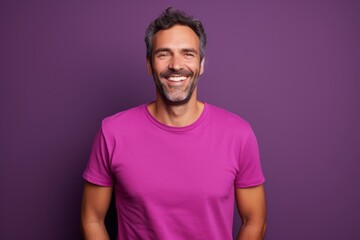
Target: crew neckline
{"x": 163, "y": 126}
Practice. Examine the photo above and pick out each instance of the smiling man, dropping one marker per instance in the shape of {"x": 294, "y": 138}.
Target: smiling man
{"x": 177, "y": 165}
{"x": 175, "y": 63}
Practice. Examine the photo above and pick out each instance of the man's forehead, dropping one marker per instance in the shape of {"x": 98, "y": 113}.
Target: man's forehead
{"x": 177, "y": 32}
{"x": 177, "y": 35}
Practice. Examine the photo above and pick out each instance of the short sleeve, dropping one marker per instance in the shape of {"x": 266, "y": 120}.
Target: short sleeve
{"x": 250, "y": 173}
{"x": 98, "y": 170}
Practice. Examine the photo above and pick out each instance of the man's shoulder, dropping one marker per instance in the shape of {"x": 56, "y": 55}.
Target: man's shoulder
{"x": 124, "y": 117}
{"x": 227, "y": 117}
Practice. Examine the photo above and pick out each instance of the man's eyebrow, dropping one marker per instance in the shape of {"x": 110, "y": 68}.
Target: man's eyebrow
{"x": 192, "y": 50}
{"x": 189, "y": 50}
{"x": 162, "y": 50}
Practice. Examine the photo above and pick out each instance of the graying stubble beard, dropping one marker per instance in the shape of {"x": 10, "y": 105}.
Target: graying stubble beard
{"x": 165, "y": 96}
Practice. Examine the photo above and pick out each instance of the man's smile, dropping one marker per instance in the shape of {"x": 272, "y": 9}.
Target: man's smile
{"x": 176, "y": 78}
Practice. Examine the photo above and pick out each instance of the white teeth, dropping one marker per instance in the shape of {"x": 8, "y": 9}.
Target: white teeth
{"x": 176, "y": 79}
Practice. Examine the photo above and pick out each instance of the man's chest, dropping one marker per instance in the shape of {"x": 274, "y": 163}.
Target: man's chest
{"x": 181, "y": 166}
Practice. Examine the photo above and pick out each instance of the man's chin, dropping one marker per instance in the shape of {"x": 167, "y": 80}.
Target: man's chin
{"x": 176, "y": 101}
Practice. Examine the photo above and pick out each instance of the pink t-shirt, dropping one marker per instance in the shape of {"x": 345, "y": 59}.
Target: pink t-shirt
{"x": 175, "y": 182}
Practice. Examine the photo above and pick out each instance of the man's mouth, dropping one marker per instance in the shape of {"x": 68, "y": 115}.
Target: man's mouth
{"x": 176, "y": 78}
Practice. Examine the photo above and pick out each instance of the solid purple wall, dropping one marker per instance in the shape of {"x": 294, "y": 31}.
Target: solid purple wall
{"x": 291, "y": 68}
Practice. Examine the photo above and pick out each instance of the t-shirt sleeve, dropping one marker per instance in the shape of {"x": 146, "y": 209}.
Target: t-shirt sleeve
{"x": 98, "y": 170}
{"x": 250, "y": 173}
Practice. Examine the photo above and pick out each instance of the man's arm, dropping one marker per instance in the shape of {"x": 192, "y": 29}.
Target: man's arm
{"x": 95, "y": 204}
{"x": 252, "y": 209}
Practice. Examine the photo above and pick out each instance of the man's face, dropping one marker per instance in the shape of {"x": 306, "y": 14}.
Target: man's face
{"x": 175, "y": 63}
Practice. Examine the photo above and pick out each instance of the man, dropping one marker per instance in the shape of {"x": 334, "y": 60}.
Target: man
{"x": 176, "y": 164}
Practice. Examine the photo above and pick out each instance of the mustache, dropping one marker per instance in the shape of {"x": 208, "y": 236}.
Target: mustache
{"x": 170, "y": 73}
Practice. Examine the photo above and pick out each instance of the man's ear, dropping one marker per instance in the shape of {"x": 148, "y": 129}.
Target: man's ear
{"x": 148, "y": 66}
{"x": 202, "y": 65}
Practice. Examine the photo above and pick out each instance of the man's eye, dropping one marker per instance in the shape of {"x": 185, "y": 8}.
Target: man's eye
{"x": 163, "y": 54}
{"x": 189, "y": 55}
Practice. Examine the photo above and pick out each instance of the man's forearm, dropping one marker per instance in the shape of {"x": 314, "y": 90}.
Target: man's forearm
{"x": 251, "y": 231}
{"x": 94, "y": 231}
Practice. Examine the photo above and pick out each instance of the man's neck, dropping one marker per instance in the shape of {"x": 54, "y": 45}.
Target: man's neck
{"x": 176, "y": 115}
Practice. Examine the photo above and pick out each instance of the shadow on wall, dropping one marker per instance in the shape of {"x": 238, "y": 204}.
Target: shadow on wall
{"x": 111, "y": 219}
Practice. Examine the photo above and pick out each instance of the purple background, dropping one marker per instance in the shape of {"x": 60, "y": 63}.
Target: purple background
{"x": 291, "y": 68}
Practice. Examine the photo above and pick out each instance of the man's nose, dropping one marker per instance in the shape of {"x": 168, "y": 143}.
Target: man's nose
{"x": 176, "y": 63}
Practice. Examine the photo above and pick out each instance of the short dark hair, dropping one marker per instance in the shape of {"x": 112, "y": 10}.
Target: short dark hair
{"x": 169, "y": 18}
